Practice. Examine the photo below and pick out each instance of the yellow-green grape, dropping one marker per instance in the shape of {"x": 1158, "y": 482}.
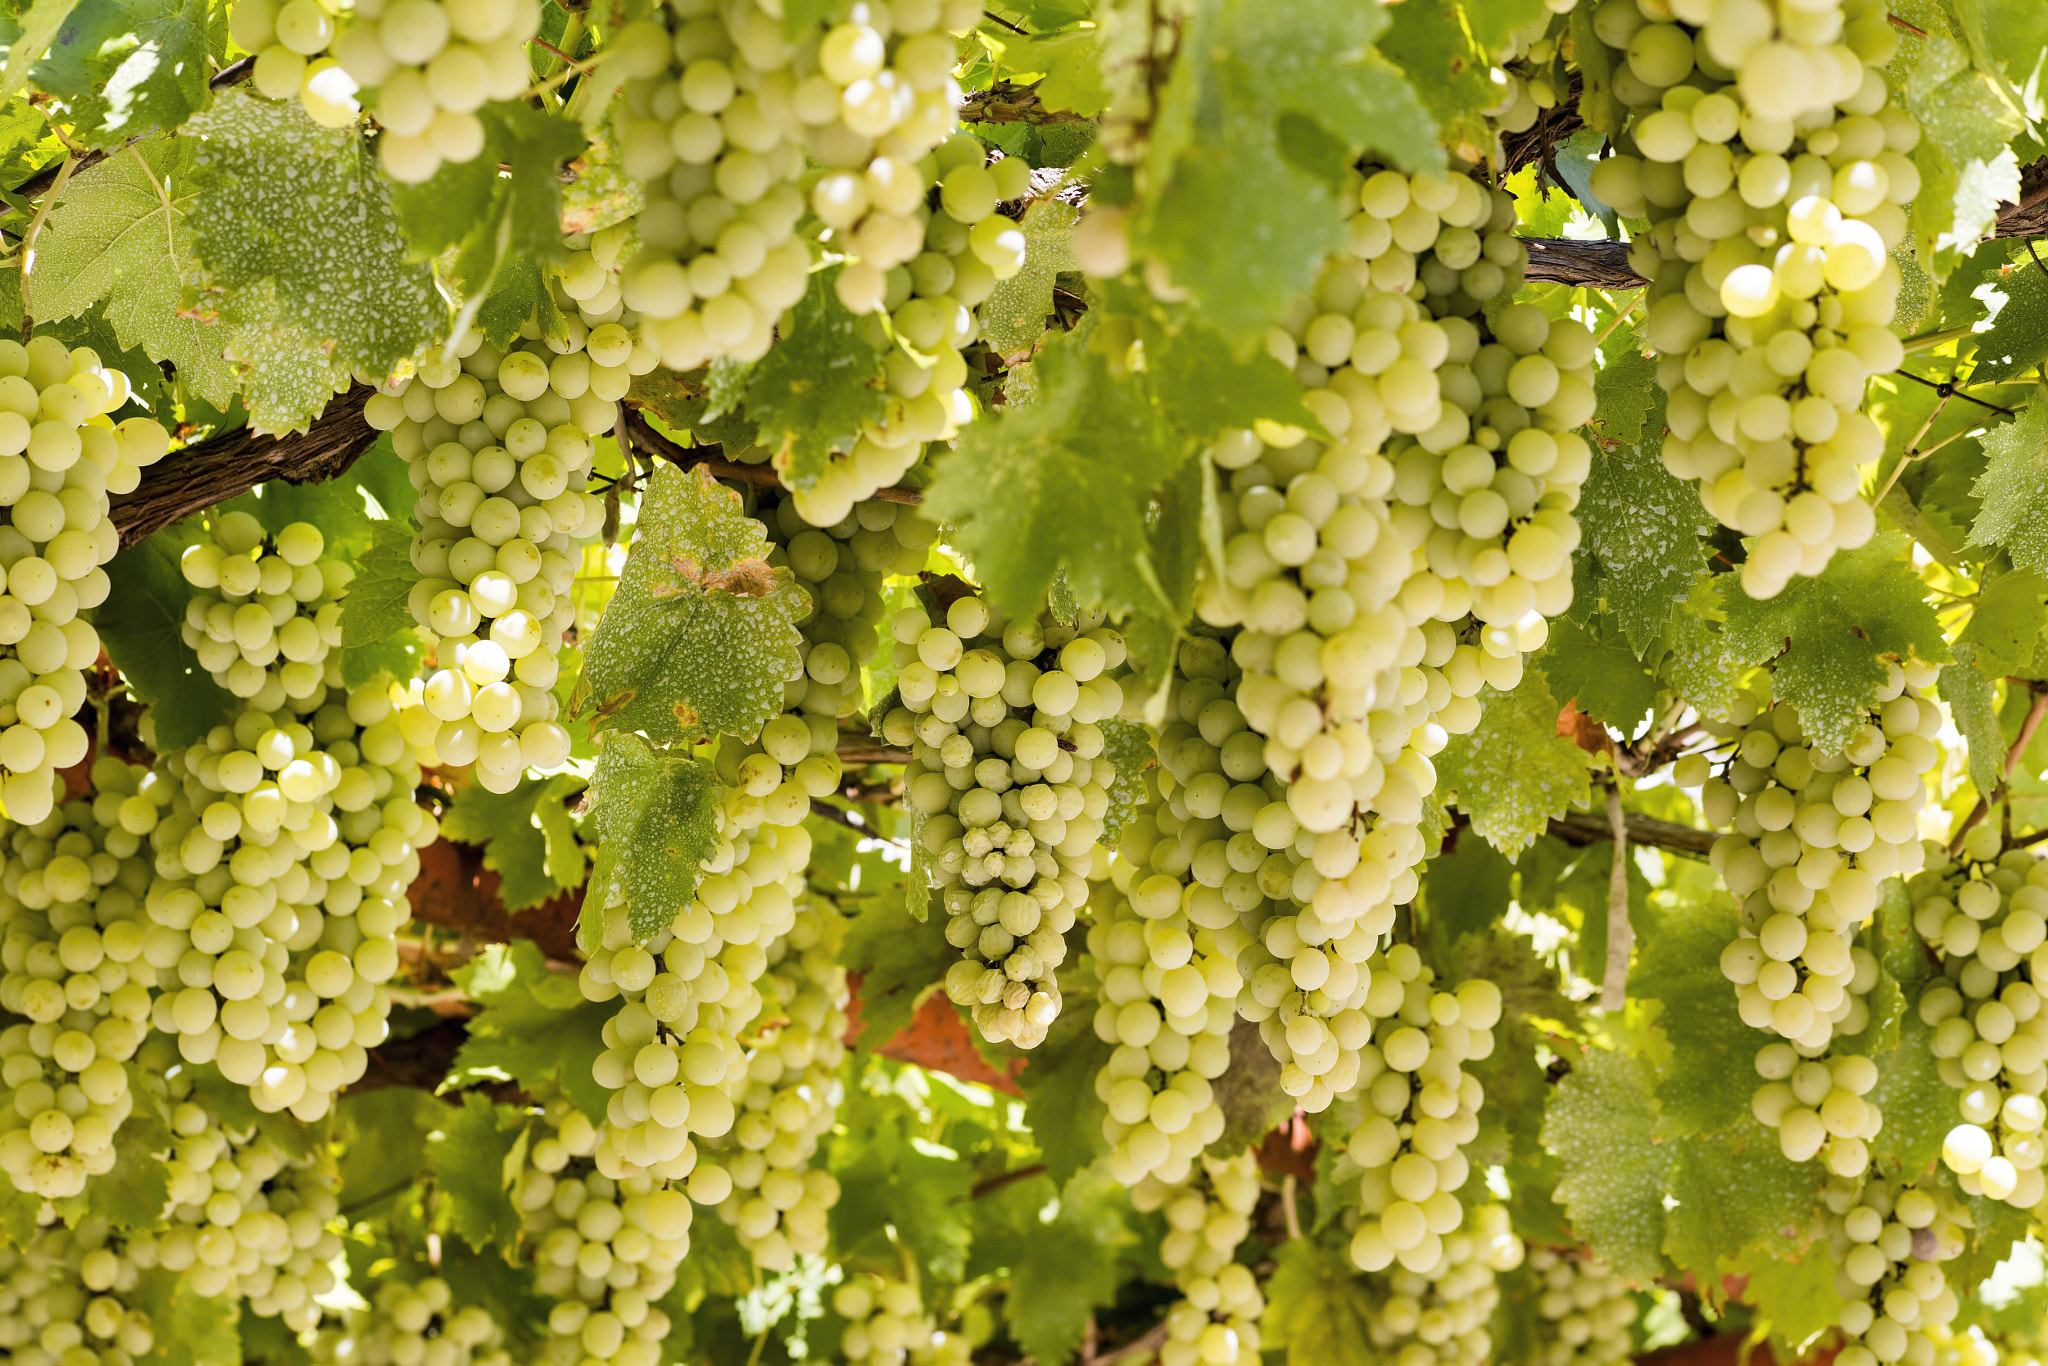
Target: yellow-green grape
{"x": 499, "y": 446}
{"x": 1763, "y": 146}
{"x": 270, "y": 612}
{"x": 604, "y": 1249}
{"x": 1982, "y": 913}
{"x": 886, "y": 1321}
{"x": 590, "y": 285}
{"x": 66, "y": 1295}
{"x": 1814, "y": 833}
{"x": 1586, "y": 1308}
{"x": 1888, "y": 1239}
{"x": 72, "y": 929}
{"x": 1438, "y": 1315}
{"x": 1207, "y": 1216}
{"x": 1008, "y": 780}
{"x": 61, "y": 456}
{"x": 1169, "y": 995}
{"x": 412, "y": 1321}
{"x": 1817, "y": 1105}
{"x": 1420, "y": 1109}
{"x": 722, "y": 117}
{"x": 423, "y": 67}
{"x": 789, "y": 1099}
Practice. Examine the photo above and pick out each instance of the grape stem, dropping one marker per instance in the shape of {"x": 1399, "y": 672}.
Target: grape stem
{"x": 2012, "y": 763}
{"x": 712, "y": 457}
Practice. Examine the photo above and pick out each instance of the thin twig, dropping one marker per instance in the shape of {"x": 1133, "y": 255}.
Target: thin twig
{"x": 1621, "y": 938}
{"x": 990, "y": 1185}
{"x": 840, "y": 816}
{"x": 2035, "y": 713}
{"x": 1287, "y": 1209}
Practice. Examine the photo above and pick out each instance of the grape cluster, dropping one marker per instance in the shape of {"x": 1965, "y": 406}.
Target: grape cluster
{"x": 1008, "y": 780}
{"x": 282, "y": 853}
{"x": 1763, "y": 146}
{"x": 1889, "y": 1239}
{"x": 431, "y": 64}
{"x": 722, "y": 114}
{"x": 1986, "y": 914}
{"x": 1586, "y": 1307}
{"x": 245, "y": 1218}
{"x": 1216, "y": 1322}
{"x": 499, "y": 446}
{"x": 1420, "y": 1109}
{"x": 412, "y": 1323}
{"x": 886, "y": 1322}
{"x": 778, "y": 1202}
{"x": 72, "y": 931}
{"x": 605, "y": 1250}
{"x": 263, "y": 604}
{"x": 60, "y": 458}
{"x": 1438, "y": 1316}
{"x": 1815, "y": 830}
{"x": 1168, "y": 1003}
{"x": 65, "y": 1299}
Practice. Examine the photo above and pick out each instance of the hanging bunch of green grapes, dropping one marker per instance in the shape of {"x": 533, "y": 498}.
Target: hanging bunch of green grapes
{"x": 1889, "y": 1239}
{"x": 66, "y": 1296}
{"x": 1985, "y": 913}
{"x": 1208, "y": 1218}
{"x": 1587, "y": 1310}
{"x": 1439, "y": 1315}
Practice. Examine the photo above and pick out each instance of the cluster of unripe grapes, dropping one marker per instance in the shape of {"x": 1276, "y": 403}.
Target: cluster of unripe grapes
{"x": 1815, "y": 831}
{"x": 604, "y": 1249}
{"x": 60, "y": 458}
{"x": 1420, "y": 1109}
{"x": 1208, "y": 1215}
{"x": 1439, "y": 1315}
{"x": 64, "y": 1299}
{"x": 1983, "y": 913}
{"x": 1763, "y": 146}
{"x": 412, "y": 1322}
{"x": 788, "y": 1101}
{"x": 72, "y": 933}
{"x": 1586, "y": 1308}
{"x": 269, "y": 610}
{"x": 722, "y": 116}
{"x": 887, "y": 1325}
{"x": 1169, "y": 1001}
{"x": 1007, "y": 777}
{"x": 499, "y": 446}
{"x": 1888, "y": 1239}
{"x": 425, "y": 67}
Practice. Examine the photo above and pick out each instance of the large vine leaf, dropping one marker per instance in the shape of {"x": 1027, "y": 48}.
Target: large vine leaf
{"x": 701, "y": 634}
{"x": 282, "y": 201}
{"x": 535, "y": 1028}
{"x": 1601, "y": 1123}
{"x": 140, "y": 629}
{"x": 656, "y": 815}
{"x": 473, "y": 1159}
{"x": 1513, "y": 772}
{"x": 120, "y": 68}
{"x": 1966, "y": 166}
{"x": 528, "y": 838}
{"x": 1317, "y": 1308}
{"x": 28, "y": 33}
{"x": 1641, "y": 530}
{"x": 1831, "y": 635}
{"x": 2014, "y": 487}
{"x": 818, "y": 387}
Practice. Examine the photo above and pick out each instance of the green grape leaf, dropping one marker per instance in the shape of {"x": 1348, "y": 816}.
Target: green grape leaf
{"x": 1995, "y": 1230}
{"x": 190, "y": 1329}
{"x": 890, "y": 1178}
{"x": 383, "y": 1135}
{"x": 121, "y": 68}
{"x": 2006, "y": 38}
{"x": 122, "y": 222}
{"x": 342, "y": 273}
{"x": 1013, "y": 490}
{"x": 286, "y": 374}
{"x": 29, "y": 33}
{"x": 1601, "y": 1122}
{"x": 27, "y": 145}
{"x": 1202, "y": 386}
{"x": 1067, "y": 67}
{"x": 492, "y": 217}
{"x": 1599, "y": 674}
{"x": 519, "y": 294}
{"x": 135, "y": 1194}
{"x": 1318, "y": 1310}
{"x": 1128, "y": 747}
{"x": 1514, "y": 771}
{"x": 1641, "y": 528}
{"x": 1710, "y": 1077}
{"x": 1315, "y": 58}
{"x": 2014, "y": 487}
{"x": 1062, "y": 1269}
{"x": 1796, "y": 1299}
{"x": 656, "y": 817}
{"x": 1968, "y": 691}
{"x": 469, "y": 1159}
{"x": 378, "y": 632}
{"x": 18, "y": 1211}
{"x": 1440, "y": 45}
{"x": 1919, "y": 1108}
{"x": 898, "y": 961}
{"x": 535, "y": 1028}
{"x": 1735, "y": 1196}
{"x": 1060, "y": 1105}
{"x": 1013, "y": 317}
{"x": 2017, "y": 339}
{"x": 1966, "y": 166}
{"x": 139, "y": 627}
{"x": 526, "y": 834}
{"x": 2005, "y": 626}
{"x": 1627, "y": 393}
{"x": 702, "y": 631}
{"x": 818, "y": 386}
{"x": 1868, "y": 605}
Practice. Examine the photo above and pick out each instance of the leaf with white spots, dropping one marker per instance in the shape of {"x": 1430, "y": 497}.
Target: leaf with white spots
{"x": 1514, "y": 771}
{"x": 656, "y": 816}
{"x": 702, "y": 632}
{"x": 1641, "y": 527}
{"x": 1601, "y": 1122}
{"x": 284, "y": 202}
